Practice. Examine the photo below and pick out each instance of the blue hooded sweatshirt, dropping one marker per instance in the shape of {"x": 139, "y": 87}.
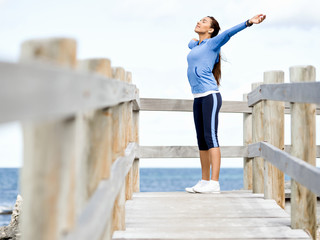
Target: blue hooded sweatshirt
{"x": 202, "y": 58}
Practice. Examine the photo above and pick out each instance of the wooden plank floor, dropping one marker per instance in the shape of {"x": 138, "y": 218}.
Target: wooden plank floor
{"x": 228, "y": 215}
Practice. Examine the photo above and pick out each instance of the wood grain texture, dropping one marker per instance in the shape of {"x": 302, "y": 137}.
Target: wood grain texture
{"x": 118, "y": 220}
{"x": 118, "y": 217}
{"x": 98, "y": 126}
{"x": 185, "y": 105}
{"x": 159, "y": 104}
{"x": 303, "y": 141}
{"x": 96, "y": 217}
{"x": 257, "y": 136}
{"x": 53, "y": 51}
{"x": 303, "y": 92}
{"x": 38, "y": 91}
{"x": 187, "y": 151}
{"x": 247, "y": 139}
{"x": 273, "y": 133}
{"x": 49, "y": 169}
{"x": 153, "y": 152}
{"x": 228, "y": 215}
{"x": 53, "y": 91}
{"x": 136, "y": 139}
{"x": 296, "y": 168}
{"x": 130, "y": 138}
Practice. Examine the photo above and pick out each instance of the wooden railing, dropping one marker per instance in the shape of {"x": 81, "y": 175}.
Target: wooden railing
{"x": 80, "y": 121}
{"x": 185, "y": 105}
{"x": 263, "y": 139}
{"x": 268, "y": 100}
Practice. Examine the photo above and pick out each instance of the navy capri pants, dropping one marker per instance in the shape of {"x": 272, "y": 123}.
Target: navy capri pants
{"x": 205, "y": 113}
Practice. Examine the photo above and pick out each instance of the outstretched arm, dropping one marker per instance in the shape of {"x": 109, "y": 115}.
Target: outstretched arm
{"x": 224, "y": 37}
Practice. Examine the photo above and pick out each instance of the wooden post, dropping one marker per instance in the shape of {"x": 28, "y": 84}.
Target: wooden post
{"x": 118, "y": 222}
{"x": 273, "y": 126}
{"x": 303, "y": 141}
{"x": 98, "y": 126}
{"x": 48, "y": 173}
{"x": 118, "y": 149}
{"x": 247, "y": 139}
{"x": 257, "y": 136}
{"x": 135, "y": 167}
{"x": 116, "y": 132}
{"x": 129, "y": 138}
{"x": 103, "y": 140}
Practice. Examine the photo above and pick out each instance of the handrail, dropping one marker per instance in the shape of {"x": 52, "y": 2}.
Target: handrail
{"x": 268, "y": 142}
{"x": 299, "y": 170}
{"x": 80, "y": 123}
{"x": 185, "y": 105}
{"x": 41, "y": 90}
{"x": 303, "y": 92}
{"x": 98, "y": 211}
{"x": 193, "y": 151}
{"x": 82, "y": 120}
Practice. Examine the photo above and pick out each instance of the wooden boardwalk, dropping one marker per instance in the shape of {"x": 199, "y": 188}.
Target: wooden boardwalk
{"x": 236, "y": 214}
{"x": 86, "y": 115}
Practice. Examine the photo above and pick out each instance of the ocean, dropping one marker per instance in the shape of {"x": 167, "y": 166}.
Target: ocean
{"x": 9, "y": 189}
{"x": 151, "y": 180}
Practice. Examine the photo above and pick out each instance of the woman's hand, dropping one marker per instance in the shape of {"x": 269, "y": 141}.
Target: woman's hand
{"x": 257, "y": 19}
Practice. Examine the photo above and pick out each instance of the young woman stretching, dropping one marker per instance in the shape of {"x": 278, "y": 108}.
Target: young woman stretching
{"x": 204, "y": 71}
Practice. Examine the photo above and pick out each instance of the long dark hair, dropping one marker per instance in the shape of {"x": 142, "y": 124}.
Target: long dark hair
{"x": 217, "y": 67}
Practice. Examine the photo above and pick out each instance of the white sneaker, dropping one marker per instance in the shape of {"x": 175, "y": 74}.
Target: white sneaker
{"x": 211, "y": 187}
{"x": 199, "y": 183}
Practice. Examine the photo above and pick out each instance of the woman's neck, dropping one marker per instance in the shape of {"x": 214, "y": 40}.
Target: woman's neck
{"x": 203, "y": 36}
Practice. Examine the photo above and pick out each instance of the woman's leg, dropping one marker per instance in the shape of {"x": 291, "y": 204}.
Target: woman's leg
{"x": 203, "y": 148}
{"x": 211, "y": 108}
{"x": 205, "y": 164}
{"x": 215, "y": 160}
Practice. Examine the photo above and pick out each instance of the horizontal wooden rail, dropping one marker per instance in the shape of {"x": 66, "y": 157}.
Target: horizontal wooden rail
{"x": 193, "y": 152}
{"x": 304, "y": 92}
{"x": 299, "y": 170}
{"x": 187, "y": 151}
{"x": 30, "y": 91}
{"x": 186, "y": 105}
{"x": 94, "y": 218}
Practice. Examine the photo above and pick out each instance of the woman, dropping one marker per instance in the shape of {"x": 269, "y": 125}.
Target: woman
{"x": 204, "y": 72}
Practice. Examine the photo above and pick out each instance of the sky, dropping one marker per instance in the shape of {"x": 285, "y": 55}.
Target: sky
{"x": 150, "y": 39}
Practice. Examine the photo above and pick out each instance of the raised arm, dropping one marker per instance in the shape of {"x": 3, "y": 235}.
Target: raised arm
{"x": 222, "y": 38}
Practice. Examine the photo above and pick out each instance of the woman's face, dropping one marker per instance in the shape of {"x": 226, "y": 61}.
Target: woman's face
{"x": 203, "y": 25}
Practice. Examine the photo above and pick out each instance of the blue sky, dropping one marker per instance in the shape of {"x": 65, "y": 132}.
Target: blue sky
{"x": 150, "y": 37}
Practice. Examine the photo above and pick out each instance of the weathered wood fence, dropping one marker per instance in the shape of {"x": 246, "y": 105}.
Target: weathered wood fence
{"x": 270, "y": 161}
{"x": 80, "y": 123}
